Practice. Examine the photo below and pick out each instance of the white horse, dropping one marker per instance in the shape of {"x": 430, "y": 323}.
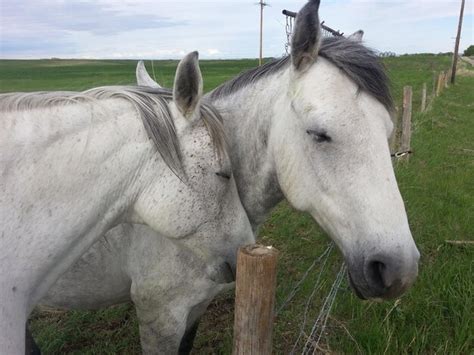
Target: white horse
{"x": 73, "y": 165}
{"x": 313, "y": 128}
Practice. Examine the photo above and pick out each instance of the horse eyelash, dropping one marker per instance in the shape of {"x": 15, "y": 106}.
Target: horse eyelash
{"x": 319, "y": 136}
{"x": 223, "y": 175}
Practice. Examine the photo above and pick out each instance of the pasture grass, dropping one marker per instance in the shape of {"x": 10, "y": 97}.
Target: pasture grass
{"x": 78, "y": 75}
{"x": 437, "y": 185}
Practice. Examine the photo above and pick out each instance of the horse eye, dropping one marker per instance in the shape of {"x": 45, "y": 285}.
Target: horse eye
{"x": 319, "y": 136}
{"x": 223, "y": 175}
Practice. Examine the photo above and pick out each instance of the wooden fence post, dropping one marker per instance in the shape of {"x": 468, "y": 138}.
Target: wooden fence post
{"x": 423, "y": 98}
{"x": 439, "y": 87}
{"x": 406, "y": 121}
{"x": 394, "y": 138}
{"x": 446, "y": 79}
{"x": 254, "y": 300}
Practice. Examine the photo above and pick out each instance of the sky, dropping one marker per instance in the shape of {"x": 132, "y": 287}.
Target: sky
{"x": 156, "y": 29}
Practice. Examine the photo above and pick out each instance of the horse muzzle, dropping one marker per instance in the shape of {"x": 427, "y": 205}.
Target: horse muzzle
{"x": 382, "y": 276}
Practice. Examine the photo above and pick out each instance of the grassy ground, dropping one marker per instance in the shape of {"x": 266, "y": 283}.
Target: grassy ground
{"x": 34, "y": 75}
{"x": 438, "y": 188}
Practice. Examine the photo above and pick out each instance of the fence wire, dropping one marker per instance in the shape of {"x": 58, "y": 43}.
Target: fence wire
{"x": 316, "y": 287}
{"x": 305, "y": 275}
{"x": 319, "y": 326}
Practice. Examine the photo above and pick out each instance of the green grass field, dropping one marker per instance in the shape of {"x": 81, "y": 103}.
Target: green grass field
{"x": 435, "y": 316}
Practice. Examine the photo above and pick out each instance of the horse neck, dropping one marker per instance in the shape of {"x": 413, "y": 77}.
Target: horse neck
{"x": 81, "y": 180}
{"x": 247, "y": 116}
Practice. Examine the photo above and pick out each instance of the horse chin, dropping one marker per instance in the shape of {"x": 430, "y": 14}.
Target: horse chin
{"x": 357, "y": 292}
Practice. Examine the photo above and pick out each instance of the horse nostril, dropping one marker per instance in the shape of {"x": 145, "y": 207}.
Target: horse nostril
{"x": 387, "y": 276}
{"x": 376, "y": 271}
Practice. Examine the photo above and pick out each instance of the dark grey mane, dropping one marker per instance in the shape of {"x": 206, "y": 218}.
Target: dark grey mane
{"x": 358, "y": 62}
{"x": 151, "y": 105}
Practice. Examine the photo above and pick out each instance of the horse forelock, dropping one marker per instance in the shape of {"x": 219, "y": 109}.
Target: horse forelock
{"x": 359, "y": 63}
{"x": 151, "y": 105}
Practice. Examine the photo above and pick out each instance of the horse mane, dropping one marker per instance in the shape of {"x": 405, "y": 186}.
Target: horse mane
{"x": 358, "y": 62}
{"x": 151, "y": 105}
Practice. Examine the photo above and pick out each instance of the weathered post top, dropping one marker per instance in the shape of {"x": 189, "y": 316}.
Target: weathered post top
{"x": 255, "y": 300}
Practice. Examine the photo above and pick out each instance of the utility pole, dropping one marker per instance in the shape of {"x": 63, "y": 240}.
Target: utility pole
{"x": 262, "y": 5}
{"x": 456, "y": 47}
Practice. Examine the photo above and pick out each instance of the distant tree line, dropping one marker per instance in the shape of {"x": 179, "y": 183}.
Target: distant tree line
{"x": 469, "y": 52}
{"x": 387, "y": 54}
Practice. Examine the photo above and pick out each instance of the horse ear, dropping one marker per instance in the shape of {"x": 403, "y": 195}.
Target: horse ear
{"x": 306, "y": 37}
{"x": 187, "y": 90}
{"x": 143, "y": 78}
{"x": 356, "y": 36}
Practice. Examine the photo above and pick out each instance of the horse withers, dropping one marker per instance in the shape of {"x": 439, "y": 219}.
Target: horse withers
{"x": 74, "y": 165}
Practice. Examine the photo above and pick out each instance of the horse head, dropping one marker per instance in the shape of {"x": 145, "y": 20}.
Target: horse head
{"x": 331, "y": 138}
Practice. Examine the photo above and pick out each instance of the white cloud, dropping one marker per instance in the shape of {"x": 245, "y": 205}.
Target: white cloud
{"x": 217, "y": 29}
{"x": 213, "y": 51}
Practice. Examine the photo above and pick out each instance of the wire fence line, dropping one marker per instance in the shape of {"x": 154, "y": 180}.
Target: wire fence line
{"x": 319, "y": 326}
{"x": 293, "y": 292}
{"x": 309, "y": 343}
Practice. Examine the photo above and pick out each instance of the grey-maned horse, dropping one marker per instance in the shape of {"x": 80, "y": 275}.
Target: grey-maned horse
{"x": 313, "y": 128}
{"x": 74, "y": 165}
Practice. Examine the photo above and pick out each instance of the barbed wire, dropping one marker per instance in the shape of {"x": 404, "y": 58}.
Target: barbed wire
{"x": 316, "y": 287}
{"x": 319, "y": 325}
{"x": 303, "y": 278}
